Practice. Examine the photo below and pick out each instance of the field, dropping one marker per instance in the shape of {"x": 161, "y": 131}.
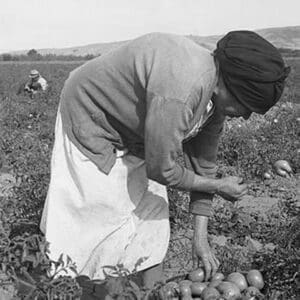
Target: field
{"x": 262, "y": 231}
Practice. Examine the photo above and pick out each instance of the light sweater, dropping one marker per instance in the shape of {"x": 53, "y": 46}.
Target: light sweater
{"x": 147, "y": 96}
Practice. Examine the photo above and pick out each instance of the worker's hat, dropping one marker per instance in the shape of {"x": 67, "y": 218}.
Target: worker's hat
{"x": 34, "y": 73}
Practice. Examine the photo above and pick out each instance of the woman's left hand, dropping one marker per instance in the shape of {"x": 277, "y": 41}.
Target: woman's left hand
{"x": 201, "y": 249}
{"x": 202, "y": 252}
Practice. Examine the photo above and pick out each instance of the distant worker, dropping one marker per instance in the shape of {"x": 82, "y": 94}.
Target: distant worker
{"x": 36, "y": 83}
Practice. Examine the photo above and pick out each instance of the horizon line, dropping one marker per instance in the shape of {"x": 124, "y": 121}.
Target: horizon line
{"x": 9, "y": 51}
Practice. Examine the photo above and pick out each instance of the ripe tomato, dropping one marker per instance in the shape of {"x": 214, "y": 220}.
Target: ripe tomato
{"x": 218, "y": 276}
{"x": 238, "y": 279}
{"x": 196, "y": 275}
{"x": 172, "y": 285}
{"x": 229, "y": 291}
{"x": 197, "y": 288}
{"x": 251, "y": 292}
{"x": 185, "y": 288}
{"x": 210, "y": 293}
{"x": 214, "y": 283}
{"x": 267, "y": 175}
{"x": 283, "y": 168}
{"x": 169, "y": 291}
{"x": 186, "y": 297}
{"x": 255, "y": 278}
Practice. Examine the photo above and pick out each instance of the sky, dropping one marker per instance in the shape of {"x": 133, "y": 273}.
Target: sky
{"x": 27, "y": 24}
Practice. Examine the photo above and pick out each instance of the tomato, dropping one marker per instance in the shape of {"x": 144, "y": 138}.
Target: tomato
{"x": 210, "y": 293}
{"x": 187, "y": 297}
{"x": 166, "y": 294}
{"x": 255, "y": 278}
{"x": 238, "y": 279}
{"x": 172, "y": 285}
{"x": 185, "y": 288}
{"x": 197, "y": 288}
{"x": 218, "y": 276}
{"x": 169, "y": 291}
{"x": 214, "y": 283}
{"x": 282, "y": 168}
{"x": 197, "y": 275}
{"x": 229, "y": 291}
{"x": 267, "y": 175}
{"x": 185, "y": 282}
{"x": 282, "y": 173}
{"x": 251, "y": 292}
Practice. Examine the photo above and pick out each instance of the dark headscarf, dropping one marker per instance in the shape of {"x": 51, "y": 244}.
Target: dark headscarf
{"x": 252, "y": 69}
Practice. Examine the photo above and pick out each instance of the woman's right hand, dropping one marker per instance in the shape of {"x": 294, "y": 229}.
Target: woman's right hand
{"x": 232, "y": 188}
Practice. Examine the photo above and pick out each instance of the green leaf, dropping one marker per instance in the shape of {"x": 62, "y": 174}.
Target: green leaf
{"x": 73, "y": 269}
{"x": 69, "y": 260}
{"x": 61, "y": 261}
{"x": 134, "y": 285}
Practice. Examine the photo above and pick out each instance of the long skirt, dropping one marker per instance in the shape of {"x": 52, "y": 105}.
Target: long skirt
{"x": 103, "y": 220}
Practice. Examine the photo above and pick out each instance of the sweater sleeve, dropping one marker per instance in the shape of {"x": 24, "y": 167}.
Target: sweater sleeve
{"x": 200, "y": 154}
{"x": 166, "y": 124}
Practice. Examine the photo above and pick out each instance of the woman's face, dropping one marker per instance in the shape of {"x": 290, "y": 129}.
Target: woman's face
{"x": 227, "y": 104}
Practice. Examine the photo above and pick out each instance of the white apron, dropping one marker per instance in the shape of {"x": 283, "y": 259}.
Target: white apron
{"x": 100, "y": 219}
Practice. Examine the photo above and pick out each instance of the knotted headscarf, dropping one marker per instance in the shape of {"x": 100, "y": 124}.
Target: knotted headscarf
{"x": 252, "y": 69}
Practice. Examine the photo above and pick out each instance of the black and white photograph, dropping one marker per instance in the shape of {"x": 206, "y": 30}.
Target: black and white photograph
{"x": 150, "y": 150}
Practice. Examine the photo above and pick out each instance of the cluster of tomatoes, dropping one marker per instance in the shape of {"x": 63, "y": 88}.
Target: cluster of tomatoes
{"x": 282, "y": 168}
{"x": 232, "y": 287}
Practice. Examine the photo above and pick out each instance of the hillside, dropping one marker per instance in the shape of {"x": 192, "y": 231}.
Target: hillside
{"x": 282, "y": 37}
